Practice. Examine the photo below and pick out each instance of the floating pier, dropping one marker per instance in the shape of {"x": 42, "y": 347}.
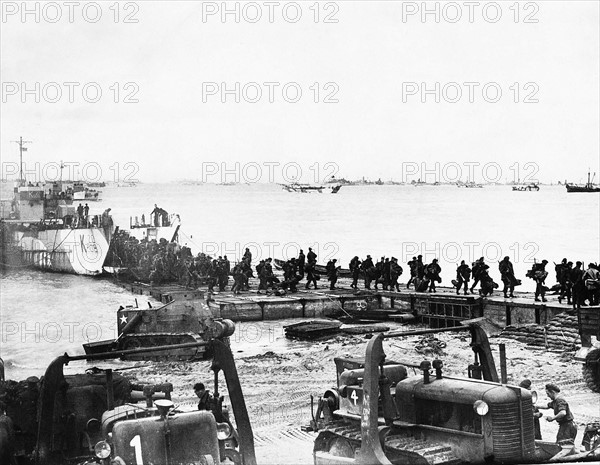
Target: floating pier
{"x": 438, "y": 310}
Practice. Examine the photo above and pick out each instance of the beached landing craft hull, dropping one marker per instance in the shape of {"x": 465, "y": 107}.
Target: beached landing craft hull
{"x": 79, "y": 251}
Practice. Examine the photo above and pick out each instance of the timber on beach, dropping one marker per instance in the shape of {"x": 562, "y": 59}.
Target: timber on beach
{"x": 437, "y": 310}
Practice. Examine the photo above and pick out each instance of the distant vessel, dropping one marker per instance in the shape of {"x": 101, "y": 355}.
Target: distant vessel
{"x": 40, "y": 227}
{"x": 307, "y": 188}
{"x": 588, "y": 187}
{"x": 470, "y": 185}
{"x": 82, "y": 192}
{"x": 529, "y": 187}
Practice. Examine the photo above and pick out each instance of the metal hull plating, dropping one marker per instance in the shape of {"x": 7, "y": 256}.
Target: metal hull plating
{"x": 79, "y": 251}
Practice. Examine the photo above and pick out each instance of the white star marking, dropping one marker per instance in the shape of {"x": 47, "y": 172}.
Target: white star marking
{"x": 123, "y": 319}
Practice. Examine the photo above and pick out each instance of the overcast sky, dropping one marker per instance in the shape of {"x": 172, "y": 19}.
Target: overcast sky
{"x": 365, "y": 63}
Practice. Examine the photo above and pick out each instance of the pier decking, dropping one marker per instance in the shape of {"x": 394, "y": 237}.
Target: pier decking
{"x": 442, "y": 309}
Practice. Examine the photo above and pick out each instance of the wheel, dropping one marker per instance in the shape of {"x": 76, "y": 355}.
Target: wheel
{"x": 341, "y": 447}
{"x": 591, "y": 370}
{"x": 207, "y": 460}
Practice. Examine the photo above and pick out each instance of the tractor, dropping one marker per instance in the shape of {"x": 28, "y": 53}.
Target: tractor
{"x": 380, "y": 415}
{"x": 94, "y": 418}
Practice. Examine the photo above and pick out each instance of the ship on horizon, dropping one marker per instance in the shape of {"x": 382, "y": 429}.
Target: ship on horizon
{"x": 587, "y": 187}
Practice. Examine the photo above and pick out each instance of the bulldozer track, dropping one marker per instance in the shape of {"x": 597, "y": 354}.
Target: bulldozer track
{"x": 398, "y": 448}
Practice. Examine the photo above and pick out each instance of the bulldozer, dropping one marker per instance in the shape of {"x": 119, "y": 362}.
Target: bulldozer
{"x": 170, "y": 324}
{"x": 377, "y": 414}
{"x": 588, "y": 319}
{"x": 95, "y": 418}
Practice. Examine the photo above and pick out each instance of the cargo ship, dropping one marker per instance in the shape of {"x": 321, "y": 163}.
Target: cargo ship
{"x": 41, "y": 228}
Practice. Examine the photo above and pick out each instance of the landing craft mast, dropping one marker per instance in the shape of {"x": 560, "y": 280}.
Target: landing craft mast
{"x": 22, "y": 149}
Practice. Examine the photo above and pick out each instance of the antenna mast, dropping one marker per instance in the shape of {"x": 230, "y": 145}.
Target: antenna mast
{"x": 22, "y": 149}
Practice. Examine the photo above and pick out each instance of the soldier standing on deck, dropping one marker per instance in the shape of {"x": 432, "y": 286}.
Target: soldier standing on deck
{"x": 157, "y": 212}
{"x": 563, "y": 277}
{"x": 463, "y": 275}
{"x": 386, "y": 274}
{"x": 395, "y": 272}
{"x": 79, "y": 215}
{"x": 432, "y": 273}
{"x": 478, "y": 268}
{"x": 332, "y": 273}
{"x": 412, "y": 266}
{"x": 379, "y": 272}
{"x": 368, "y": 270}
{"x": 355, "y": 269}
{"x": 247, "y": 256}
{"x": 301, "y": 261}
{"x": 311, "y": 257}
{"x": 538, "y": 273}
{"x": 577, "y": 286}
{"x": 262, "y": 278}
{"x": 311, "y": 276}
{"x": 508, "y": 276}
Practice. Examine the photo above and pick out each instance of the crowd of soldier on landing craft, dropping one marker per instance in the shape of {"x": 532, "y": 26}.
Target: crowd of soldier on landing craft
{"x": 162, "y": 261}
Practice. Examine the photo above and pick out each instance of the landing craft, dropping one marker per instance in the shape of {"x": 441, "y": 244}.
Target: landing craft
{"x": 40, "y": 227}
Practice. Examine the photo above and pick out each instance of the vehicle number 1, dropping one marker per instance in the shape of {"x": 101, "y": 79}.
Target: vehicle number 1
{"x": 136, "y": 443}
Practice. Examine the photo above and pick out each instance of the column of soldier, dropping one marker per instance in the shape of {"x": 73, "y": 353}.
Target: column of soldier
{"x": 167, "y": 262}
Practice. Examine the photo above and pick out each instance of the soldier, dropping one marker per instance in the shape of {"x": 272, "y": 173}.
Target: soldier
{"x": 157, "y": 212}
{"x": 268, "y": 270}
{"x": 432, "y": 274}
{"x": 563, "y": 276}
{"x": 311, "y": 275}
{"x": 420, "y": 267}
{"x": 158, "y": 270}
{"x": 463, "y": 275}
{"x": 478, "y": 267}
{"x": 378, "y": 278}
{"x": 213, "y": 275}
{"x": 86, "y": 213}
{"x": 311, "y": 257}
{"x": 567, "y": 430}
{"x": 508, "y": 276}
{"x": 538, "y": 273}
{"x": 386, "y": 278}
{"x": 395, "y": 272}
{"x": 247, "y": 256}
{"x": 355, "y": 269}
{"x": 79, "y": 215}
{"x": 238, "y": 278}
{"x": 223, "y": 275}
{"x": 487, "y": 283}
{"x": 262, "y": 278}
{"x": 591, "y": 276}
{"x": 332, "y": 273}
{"x": 206, "y": 400}
{"x": 412, "y": 266}
{"x": 369, "y": 271}
{"x": 526, "y": 384}
{"x": 301, "y": 261}
{"x": 577, "y": 286}
{"x": 247, "y": 274}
